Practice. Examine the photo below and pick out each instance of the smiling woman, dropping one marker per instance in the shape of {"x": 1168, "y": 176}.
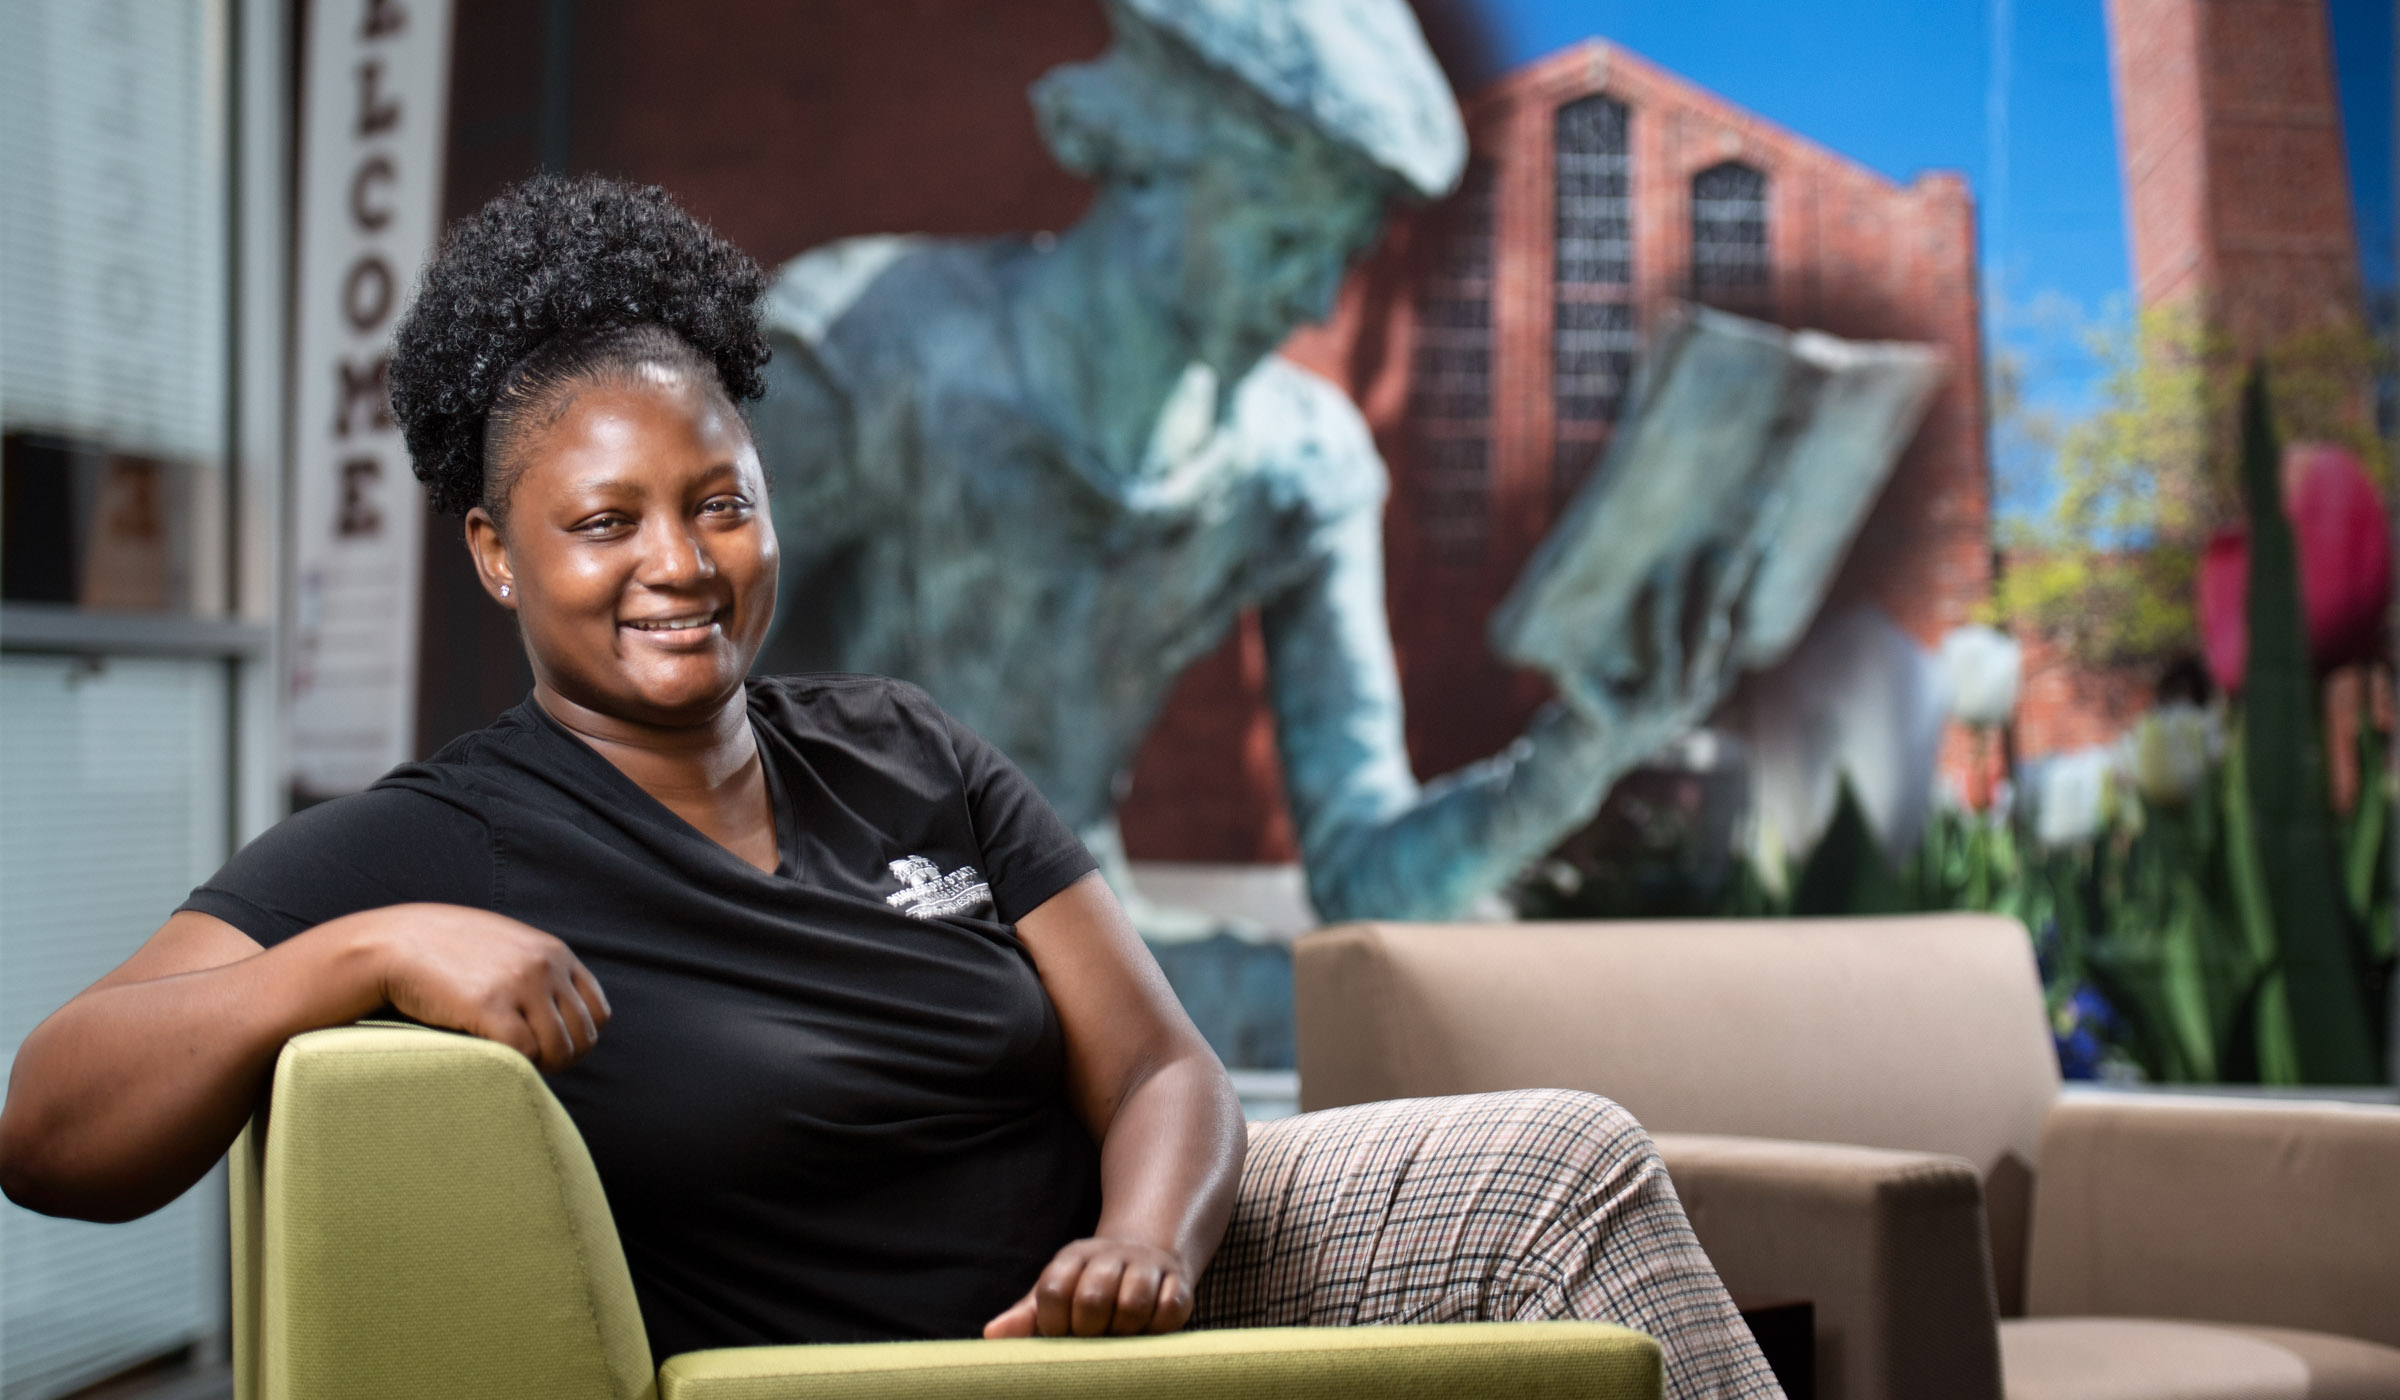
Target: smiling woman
{"x": 882, "y": 1057}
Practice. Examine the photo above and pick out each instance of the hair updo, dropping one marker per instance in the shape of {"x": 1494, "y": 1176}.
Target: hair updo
{"x": 553, "y": 283}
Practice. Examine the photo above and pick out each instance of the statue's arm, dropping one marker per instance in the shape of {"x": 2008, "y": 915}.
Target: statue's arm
{"x": 1376, "y": 844}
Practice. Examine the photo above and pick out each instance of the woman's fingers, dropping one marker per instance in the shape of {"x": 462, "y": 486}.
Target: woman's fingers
{"x": 1098, "y": 1288}
{"x": 1175, "y": 1300}
{"x": 489, "y": 975}
{"x": 1096, "y": 1295}
{"x": 588, "y": 987}
{"x": 582, "y": 1035}
{"x": 1017, "y": 1321}
{"x": 582, "y": 1027}
{"x": 554, "y": 1048}
{"x": 1054, "y": 1295}
{"x": 1137, "y": 1300}
{"x": 513, "y": 1029}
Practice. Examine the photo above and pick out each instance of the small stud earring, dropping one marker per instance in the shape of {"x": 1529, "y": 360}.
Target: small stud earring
{"x": 504, "y": 590}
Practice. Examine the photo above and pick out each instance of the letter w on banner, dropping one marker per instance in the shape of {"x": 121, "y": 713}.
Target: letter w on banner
{"x": 377, "y": 103}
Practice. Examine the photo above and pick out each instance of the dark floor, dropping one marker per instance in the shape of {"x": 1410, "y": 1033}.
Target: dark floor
{"x": 180, "y": 1377}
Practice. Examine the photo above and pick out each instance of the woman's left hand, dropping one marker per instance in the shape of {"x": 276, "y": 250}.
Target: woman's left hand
{"x": 1102, "y": 1288}
{"x": 1152, "y": 1095}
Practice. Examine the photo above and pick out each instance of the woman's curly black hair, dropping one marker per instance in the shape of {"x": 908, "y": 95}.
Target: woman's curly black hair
{"x": 554, "y": 281}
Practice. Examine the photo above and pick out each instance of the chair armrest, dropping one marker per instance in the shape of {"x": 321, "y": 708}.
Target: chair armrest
{"x": 419, "y": 1217}
{"x": 2275, "y": 1213}
{"x": 1538, "y": 1360}
{"x": 1888, "y": 1246}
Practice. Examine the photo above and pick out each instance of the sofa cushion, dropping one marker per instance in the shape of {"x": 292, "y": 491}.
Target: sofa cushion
{"x": 2113, "y": 1358}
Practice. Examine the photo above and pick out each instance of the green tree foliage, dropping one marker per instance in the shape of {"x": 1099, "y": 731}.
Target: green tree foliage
{"x": 2108, "y": 570}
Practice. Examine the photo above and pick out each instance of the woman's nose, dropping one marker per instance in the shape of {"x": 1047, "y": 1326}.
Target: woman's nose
{"x": 673, "y": 554}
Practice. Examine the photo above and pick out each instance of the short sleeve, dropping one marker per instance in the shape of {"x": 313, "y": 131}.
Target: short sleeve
{"x": 377, "y": 848}
{"x": 1028, "y": 852}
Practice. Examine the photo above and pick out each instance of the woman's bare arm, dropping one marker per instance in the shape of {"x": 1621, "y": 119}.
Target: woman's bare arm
{"x": 1164, "y": 1112}
{"x": 125, "y": 1096}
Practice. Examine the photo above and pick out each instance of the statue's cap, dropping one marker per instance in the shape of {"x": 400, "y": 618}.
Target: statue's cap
{"x": 1356, "y": 70}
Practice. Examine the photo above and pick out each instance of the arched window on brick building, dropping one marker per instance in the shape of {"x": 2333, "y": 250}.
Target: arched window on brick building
{"x": 1592, "y": 339}
{"x": 1730, "y": 268}
{"x": 1450, "y": 382}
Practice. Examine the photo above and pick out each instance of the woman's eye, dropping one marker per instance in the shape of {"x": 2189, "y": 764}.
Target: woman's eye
{"x": 724, "y": 505}
{"x": 600, "y": 524}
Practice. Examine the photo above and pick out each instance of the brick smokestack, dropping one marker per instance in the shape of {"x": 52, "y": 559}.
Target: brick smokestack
{"x": 2235, "y": 187}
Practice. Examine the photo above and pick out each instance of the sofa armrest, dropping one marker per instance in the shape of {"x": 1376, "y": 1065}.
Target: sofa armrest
{"x": 2271, "y": 1212}
{"x": 1540, "y": 1360}
{"x": 1889, "y": 1247}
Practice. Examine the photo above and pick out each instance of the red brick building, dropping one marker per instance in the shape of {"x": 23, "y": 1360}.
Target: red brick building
{"x": 2064, "y": 704}
{"x": 2235, "y": 188}
{"x": 1489, "y": 343}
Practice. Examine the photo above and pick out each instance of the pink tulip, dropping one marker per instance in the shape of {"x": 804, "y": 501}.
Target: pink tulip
{"x": 2345, "y": 552}
{"x": 2345, "y": 547}
{"x": 2224, "y": 603}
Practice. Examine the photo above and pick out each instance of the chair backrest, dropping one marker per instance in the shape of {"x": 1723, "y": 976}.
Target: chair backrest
{"x": 414, "y": 1214}
{"x": 1921, "y": 1033}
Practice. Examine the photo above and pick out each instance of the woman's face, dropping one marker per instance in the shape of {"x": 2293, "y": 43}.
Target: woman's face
{"x": 638, "y": 555}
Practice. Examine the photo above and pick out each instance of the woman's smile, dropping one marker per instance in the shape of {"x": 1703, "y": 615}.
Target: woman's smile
{"x": 679, "y": 630}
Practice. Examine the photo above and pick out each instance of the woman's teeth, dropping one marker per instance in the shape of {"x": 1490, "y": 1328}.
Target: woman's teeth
{"x": 672, "y": 624}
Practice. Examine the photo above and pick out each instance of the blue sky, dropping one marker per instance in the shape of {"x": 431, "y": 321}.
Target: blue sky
{"x": 2362, "y": 59}
{"x": 2014, "y": 93}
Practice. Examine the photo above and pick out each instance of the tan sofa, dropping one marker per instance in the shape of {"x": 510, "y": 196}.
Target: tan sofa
{"x": 1854, "y": 1110}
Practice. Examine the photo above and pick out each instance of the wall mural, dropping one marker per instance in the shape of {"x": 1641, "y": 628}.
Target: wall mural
{"x": 1571, "y": 496}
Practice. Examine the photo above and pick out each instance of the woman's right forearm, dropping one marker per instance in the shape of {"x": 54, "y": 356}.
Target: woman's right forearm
{"x": 125, "y": 1097}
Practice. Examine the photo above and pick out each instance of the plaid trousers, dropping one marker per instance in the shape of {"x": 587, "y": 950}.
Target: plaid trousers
{"x": 1542, "y": 1203}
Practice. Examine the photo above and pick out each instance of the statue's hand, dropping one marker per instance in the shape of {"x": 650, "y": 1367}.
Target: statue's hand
{"x": 1673, "y": 662}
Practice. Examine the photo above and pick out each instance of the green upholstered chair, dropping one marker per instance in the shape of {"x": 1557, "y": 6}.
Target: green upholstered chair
{"x": 415, "y": 1216}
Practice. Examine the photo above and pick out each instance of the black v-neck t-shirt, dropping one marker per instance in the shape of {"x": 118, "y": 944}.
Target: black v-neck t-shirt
{"x": 831, "y": 1103}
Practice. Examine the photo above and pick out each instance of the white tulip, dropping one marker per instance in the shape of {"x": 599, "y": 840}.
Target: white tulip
{"x": 1983, "y": 667}
{"x": 2072, "y": 802}
{"x": 1858, "y": 701}
{"x": 2173, "y": 747}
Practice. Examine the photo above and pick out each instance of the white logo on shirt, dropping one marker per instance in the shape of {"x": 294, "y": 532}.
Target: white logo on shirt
{"x": 927, "y": 893}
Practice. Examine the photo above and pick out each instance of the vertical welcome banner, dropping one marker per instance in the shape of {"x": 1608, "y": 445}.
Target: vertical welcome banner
{"x": 376, "y": 105}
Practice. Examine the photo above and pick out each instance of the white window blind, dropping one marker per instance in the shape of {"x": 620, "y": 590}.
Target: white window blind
{"x": 113, "y": 223}
{"x": 114, "y": 772}
{"x": 113, "y": 805}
